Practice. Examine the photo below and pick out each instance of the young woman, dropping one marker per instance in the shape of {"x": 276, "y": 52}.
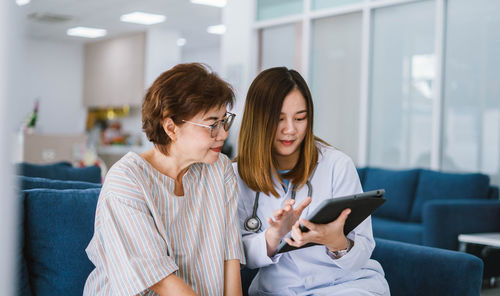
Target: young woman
{"x": 284, "y": 174}
{"x": 166, "y": 219}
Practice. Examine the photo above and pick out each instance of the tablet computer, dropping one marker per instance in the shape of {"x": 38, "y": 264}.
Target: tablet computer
{"x": 362, "y": 205}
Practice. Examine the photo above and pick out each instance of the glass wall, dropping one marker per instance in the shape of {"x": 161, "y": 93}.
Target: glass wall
{"x": 381, "y": 56}
{"x": 471, "y": 133}
{"x": 280, "y": 46}
{"x": 335, "y": 79}
{"x": 268, "y": 9}
{"x": 400, "y": 124}
{"x": 320, "y": 4}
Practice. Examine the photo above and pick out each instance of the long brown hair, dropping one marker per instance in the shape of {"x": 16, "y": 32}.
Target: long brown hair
{"x": 256, "y": 164}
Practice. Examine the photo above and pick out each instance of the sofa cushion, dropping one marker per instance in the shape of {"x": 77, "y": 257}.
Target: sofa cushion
{"x": 58, "y": 227}
{"x": 361, "y": 174}
{"x": 34, "y": 182}
{"x": 22, "y": 277}
{"x": 399, "y": 186}
{"x": 493, "y": 192}
{"x": 401, "y": 231}
{"x": 434, "y": 185}
{"x": 60, "y": 171}
{"x": 26, "y": 183}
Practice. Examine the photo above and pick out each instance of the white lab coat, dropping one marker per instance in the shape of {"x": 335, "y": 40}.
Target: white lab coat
{"x": 311, "y": 271}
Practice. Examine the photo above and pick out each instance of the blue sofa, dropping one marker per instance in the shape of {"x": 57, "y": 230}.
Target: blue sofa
{"x": 417, "y": 270}
{"x": 58, "y": 222}
{"x": 432, "y": 208}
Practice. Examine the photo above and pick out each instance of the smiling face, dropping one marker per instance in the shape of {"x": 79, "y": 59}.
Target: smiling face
{"x": 292, "y": 128}
{"x": 194, "y": 143}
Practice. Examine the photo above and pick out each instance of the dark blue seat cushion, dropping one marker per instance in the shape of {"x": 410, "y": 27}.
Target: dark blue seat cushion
{"x": 58, "y": 227}
{"x": 418, "y": 270}
{"x": 60, "y": 171}
{"x": 400, "y": 231}
{"x": 399, "y": 186}
{"x": 434, "y": 185}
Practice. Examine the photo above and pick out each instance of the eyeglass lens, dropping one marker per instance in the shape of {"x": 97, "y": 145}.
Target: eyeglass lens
{"x": 226, "y": 123}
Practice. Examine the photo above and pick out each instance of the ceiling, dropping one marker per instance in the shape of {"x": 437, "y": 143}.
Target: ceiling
{"x": 49, "y": 19}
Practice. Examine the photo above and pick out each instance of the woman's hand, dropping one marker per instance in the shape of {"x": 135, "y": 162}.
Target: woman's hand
{"x": 331, "y": 235}
{"x": 281, "y": 223}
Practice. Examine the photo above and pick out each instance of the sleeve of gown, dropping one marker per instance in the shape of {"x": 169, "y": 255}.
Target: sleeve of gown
{"x": 345, "y": 182}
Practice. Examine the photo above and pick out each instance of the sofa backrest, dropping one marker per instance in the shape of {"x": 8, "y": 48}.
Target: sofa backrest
{"x": 434, "y": 185}
{"x": 58, "y": 226}
{"x": 399, "y": 186}
{"x": 35, "y": 182}
{"x": 48, "y": 199}
{"x": 408, "y": 190}
{"x": 493, "y": 192}
{"x": 60, "y": 171}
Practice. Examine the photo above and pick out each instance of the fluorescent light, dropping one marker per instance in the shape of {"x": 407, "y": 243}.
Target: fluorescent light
{"x": 22, "y": 2}
{"x": 86, "y": 32}
{"x": 143, "y": 18}
{"x": 181, "y": 41}
{"x": 217, "y": 29}
{"x": 217, "y": 3}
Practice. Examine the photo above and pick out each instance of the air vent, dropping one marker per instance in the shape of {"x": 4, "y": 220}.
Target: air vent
{"x": 49, "y": 17}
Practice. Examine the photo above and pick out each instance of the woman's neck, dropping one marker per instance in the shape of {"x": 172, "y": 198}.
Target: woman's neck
{"x": 169, "y": 165}
{"x": 287, "y": 162}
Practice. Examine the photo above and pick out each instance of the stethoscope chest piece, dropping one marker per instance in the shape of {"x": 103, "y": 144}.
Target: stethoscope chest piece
{"x": 253, "y": 224}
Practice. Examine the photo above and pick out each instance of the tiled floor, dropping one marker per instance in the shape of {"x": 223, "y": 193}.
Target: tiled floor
{"x": 491, "y": 292}
{"x": 494, "y": 291}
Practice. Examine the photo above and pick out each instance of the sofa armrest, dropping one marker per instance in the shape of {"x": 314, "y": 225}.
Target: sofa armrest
{"x": 444, "y": 220}
{"x": 418, "y": 270}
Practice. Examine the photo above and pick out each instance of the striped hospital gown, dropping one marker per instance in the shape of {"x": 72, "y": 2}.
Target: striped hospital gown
{"x": 143, "y": 232}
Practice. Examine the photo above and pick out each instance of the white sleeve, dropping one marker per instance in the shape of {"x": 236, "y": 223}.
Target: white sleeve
{"x": 256, "y": 250}
{"x": 254, "y": 244}
{"x": 345, "y": 182}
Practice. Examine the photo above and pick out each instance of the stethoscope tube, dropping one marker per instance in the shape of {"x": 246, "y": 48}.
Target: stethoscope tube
{"x": 253, "y": 223}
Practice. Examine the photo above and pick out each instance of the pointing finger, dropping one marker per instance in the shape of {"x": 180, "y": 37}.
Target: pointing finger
{"x": 304, "y": 204}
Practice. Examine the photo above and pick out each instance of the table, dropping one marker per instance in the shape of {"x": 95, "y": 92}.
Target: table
{"x": 490, "y": 241}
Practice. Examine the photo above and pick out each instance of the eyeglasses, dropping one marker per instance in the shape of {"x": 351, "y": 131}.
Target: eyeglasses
{"x": 226, "y": 122}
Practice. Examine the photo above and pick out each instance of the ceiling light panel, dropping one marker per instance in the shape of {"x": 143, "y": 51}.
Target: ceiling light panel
{"x": 217, "y": 29}
{"x": 22, "y": 2}
{"x": 216, "y": 3}
{"x": 181, "y": 42}
{"x": 86, "y": 32}
{"x": 143, "y": 18}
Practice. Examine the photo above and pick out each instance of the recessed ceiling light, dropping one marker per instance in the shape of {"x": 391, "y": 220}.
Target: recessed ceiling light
{"x": 217, "y": 29}
{"x": 22, "y": 2}
{"x": 86, "y": 32}
{"x": 217, "y": 3}
{"x": 143, "y": 18}
{"x": 181, "y": 41}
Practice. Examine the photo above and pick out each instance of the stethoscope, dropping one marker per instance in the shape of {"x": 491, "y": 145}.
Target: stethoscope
{"x": 253, "y": 223}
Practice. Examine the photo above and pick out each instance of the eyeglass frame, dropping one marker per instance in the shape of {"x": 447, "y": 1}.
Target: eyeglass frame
{"x": 228, "y": 119}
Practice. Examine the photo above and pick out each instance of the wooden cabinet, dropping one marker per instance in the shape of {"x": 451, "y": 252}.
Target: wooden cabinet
{"x": 114, "y": 72}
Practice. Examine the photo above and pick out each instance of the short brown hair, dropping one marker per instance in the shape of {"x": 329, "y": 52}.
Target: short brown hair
{"x": 180, "y": 93}
{"x": 256, "y": 164}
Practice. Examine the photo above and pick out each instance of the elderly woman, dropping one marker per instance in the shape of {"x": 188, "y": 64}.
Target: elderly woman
{"x": 166, "y": 219}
